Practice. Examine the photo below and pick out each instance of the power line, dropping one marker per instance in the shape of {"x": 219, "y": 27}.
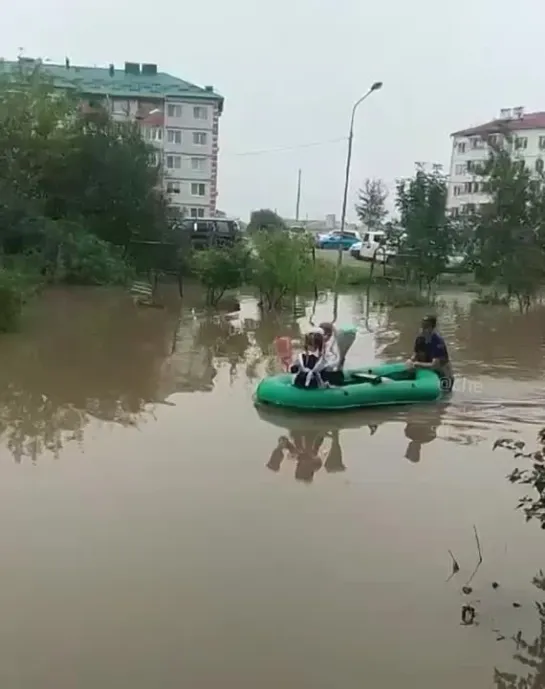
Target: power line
{"x": 287, "y": 148}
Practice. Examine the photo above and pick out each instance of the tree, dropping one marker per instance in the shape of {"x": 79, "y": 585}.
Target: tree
{"x": 510, "y": 228}
{"x": 66, "y": 173}
{"x": 421, "y": 202}
{"x": 265, "y": 219}
{"x": 220, "y": 269}
{"x": 371, "y": 205}
{"x": 282, "y": 266}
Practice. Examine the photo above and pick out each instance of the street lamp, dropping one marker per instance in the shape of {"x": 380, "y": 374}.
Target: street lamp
{"x": 374, "y": 87}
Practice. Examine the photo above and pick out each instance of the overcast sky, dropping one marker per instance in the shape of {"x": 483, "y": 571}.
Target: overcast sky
{"x": 290, "y": 70}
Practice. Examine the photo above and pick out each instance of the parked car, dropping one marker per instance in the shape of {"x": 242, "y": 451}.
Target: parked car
{"x": 375, "y": 245}
{"x": 337, "y": 239}
{"x": 206, "y": 232}
{"x": 355, "y": 250}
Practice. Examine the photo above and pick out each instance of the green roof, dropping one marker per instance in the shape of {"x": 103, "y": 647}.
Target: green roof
{"x": 98, "y": 81}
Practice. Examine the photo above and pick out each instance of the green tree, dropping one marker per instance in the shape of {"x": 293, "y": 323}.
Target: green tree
{"x": 66, "y": 173}
{"x": 428, "y": 232}
{"x": 510, "y": 227}
{"x": 371, "y": 205}
{"x": 265, "y": 219}
{"x": 282, "y": 266}
{"x": 220, "y": 269}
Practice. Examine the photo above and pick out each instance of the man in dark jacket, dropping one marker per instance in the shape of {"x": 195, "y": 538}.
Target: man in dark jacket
{"x": 430, "y": 351}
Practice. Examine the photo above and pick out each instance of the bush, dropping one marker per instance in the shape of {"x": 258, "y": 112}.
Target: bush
{"x": 220, "y": 269}
{"x": 14, "y": 288}
{"x": 282, "y": 266}
{"x": 492, "y": 299}
{"x": 84, "y": 259}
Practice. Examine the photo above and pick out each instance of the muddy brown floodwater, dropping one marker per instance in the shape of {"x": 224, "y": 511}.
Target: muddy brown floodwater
{"x": 157, "y": 531}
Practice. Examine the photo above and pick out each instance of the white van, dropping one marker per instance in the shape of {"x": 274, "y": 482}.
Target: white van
{"x": 374, "y": 244}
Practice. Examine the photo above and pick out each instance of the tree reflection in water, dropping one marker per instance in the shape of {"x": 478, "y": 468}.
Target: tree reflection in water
{"x": 531, "y": 654}
{"x": 94, "y": 354}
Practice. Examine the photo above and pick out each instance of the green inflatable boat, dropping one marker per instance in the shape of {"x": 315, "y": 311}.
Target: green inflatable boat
{"x": 375, "y": 386}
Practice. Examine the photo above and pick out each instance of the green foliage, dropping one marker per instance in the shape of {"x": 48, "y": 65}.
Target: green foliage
{"x": 371, "y": 205}
{"x": 74, "y": 184}
{"x": 421, "y": 202}
{"x": 282, "y": 265}
{"x": 61, "y": 164}
{"x": 265, "y": 219}
{"x": 13, "y": 292}
{"x": 220, "y": 269}
{"x": 510, "y": 228}
{"x": 85, "y": 259}
{"x": 533, "y": 476}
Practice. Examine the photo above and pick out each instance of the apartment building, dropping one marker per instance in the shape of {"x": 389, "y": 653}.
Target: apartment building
{"x": 471, "y": 147}
{"x": 180, "y": 119}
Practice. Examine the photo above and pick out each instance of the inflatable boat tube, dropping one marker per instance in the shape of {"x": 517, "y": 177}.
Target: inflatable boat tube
{"x": 374, "y": 386}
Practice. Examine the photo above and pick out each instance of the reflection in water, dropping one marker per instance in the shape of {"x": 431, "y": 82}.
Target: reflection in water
{"x": 314, "y": 441}
{"x": 91, "y": 353}
{"x": 306, "y": 448}
{"x": 421, "y": 429}
{"x": 85, "y": 353}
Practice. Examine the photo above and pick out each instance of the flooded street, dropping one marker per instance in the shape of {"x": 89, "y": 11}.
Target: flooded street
{"x": 159, "y": 531}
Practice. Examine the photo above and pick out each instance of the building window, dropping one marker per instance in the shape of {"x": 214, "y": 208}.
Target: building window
{"x": 174, "y": 162}
{"x": 174, "y": 110}
{"x": 199, "y": 138}
{"x": 521, "y": 142}
{"x": 200, "y": 112}
{"x": 461, "y": 148}
{"x": 460, "y": 169}
{"x": 475, "y": 166}
{"x": 154, "y": 159}
{"x": 198, "y": 164}
{"x": 196, "y": 212}
{"x": 154, "y": 133}
{"x": 174, "y": 136}
{"x": 539, "y": 165}
{"x": 173, "y": 187}
{"x": 120, "y": 106}
{"x": 477, "y": 143}
{"x": 542, "y": 142}
{"x": 470, "y": 188}
{"x": 198, "y": 189}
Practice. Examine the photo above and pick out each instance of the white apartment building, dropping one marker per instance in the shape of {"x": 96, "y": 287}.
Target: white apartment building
{"x": 470, "y": 148}
{"x": 179, "y": 118}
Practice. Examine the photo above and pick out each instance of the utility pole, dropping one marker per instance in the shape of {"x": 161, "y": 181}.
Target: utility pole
{"x": 298, "y": 201}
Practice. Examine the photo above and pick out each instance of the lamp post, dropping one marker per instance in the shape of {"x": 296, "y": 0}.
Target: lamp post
{"x": 374, "y": 87}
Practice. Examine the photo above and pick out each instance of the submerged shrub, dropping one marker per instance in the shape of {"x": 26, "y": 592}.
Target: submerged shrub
{"x": 84, "y": 259}
{"x": 13, "y": 293}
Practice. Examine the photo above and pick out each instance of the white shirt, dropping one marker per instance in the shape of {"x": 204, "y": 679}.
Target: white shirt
{"x": 332, "y": 356}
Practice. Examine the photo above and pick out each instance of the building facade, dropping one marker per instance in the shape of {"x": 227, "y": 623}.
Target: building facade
{"x": 180, "y": 119}
{"x": 523, "y": 132}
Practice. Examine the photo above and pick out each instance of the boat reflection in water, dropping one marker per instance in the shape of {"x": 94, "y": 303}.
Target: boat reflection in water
{"x": 311, "y": 450}
{"x": 313, "y": 441}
